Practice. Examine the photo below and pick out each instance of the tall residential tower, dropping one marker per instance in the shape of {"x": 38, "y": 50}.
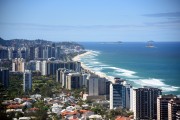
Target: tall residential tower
{"x": 145, "y": 102}
{"x": 27, "y": 81}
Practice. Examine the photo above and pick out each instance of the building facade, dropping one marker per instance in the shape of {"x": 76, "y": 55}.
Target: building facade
{"x": 145, "y": 102}
{"x": 117, "y": 94}
{"x": 50, "y": 66}
{"x": 4, "y": 77}
{"x": 93, "y": 84}
{"x": 162, "y": 106}
{"x": 27, "y": 81}
{"x": 73, "y": 81}
{"x": 18, "y": 65}
{"x": 173, "y": 108}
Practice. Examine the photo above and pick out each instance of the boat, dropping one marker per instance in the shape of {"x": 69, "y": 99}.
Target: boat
{"x": 150, "y": 44}
{"x": 119, "y": 42}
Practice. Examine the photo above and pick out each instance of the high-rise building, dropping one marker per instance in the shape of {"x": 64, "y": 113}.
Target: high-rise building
{"x": 145, "y": 102}
{"x": 4, "y": 77}
{"x": 53, "y": 52}
{"x": 58, "y": 52}
{"x": 93, "y": 85}
{"x": 3, "y": 53}
{"x": 15, "y": 54}
{"x": 9, "y": 53}
{"x": 31, "y": 65}
{"x": 45, "y": 53}
{"x": 128, "y": 95}
{"x": 63, "y": 77}
{"x": 38, "y": 66}
{"x": 18, "y": 64}
{"x": 117, "y": 94}
{"x": 96, "y": 85}
{"x": 102, "y": 86}
{"x": 27, "y": 81}
{"x": 73, "y": 81}
{"x": 32, "y": 53}
{"x": 162, "y": 106}
{"x": 38, "y": 52}
{"x": 44, "y": 68}
{"x": 107, "y": 93}
{"x": 173, "y": 108}
{"x": 50, "y": 66}
{"x": 23, "y": 54}
{"x": 49, "y": 51}
{"x": 59, "y": 74}
{"x": 84, "y": 79}
{"x": 178, "y": 115}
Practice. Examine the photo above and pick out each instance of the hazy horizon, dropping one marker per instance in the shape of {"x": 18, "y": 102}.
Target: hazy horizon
{"x": 96, "y": 21}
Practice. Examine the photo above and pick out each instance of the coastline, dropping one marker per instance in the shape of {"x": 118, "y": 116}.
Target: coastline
{"x": 100, "y": 74}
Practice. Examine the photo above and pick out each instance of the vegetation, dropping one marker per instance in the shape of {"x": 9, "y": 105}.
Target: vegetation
{"x": 110, "y": 114}
{"x": 15, "y": 88}
{"x": 45, "y": 85}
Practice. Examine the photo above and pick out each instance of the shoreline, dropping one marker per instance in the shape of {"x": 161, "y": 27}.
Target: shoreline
{"x": 111, "y": 78}
{"x": 100, "y": 74}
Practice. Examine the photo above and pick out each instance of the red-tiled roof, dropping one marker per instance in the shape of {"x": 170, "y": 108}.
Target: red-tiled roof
{"x": 14, "y": 106}
{"x": 34, "y": 109}
{"x": 122, "y": 118}
{"x": 68, "y": 113}
{"x": 84, "y": 111}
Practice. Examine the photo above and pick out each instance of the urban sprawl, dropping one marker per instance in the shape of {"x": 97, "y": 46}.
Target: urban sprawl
{"x": 40, "y": 80}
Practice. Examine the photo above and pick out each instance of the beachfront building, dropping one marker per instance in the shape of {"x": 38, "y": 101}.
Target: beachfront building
{"x": 84, "y": 79}
{"x": 173, "y": 108}
{"x": 93, "y": 85}
{"x": 73, "y": 81}
{"x": 96, "y": 85}
{"x": 178, "y": 115}
{"x": 4, "y": 77}
{"x": 27, "y": 81}
{"x": 49, "y": 67}
{"x": 145, "y": 102}
{"x": 162, "y": 106}
{"x": 120, "y": 94}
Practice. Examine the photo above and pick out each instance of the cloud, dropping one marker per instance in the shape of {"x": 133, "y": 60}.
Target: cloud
{"x": 68, "y": 27}
{"x": 172, "y": 22}
{"x": 169, "y": 14}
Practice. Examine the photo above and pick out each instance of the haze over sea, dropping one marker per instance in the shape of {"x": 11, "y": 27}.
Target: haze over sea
{"x": 138, "y": 64}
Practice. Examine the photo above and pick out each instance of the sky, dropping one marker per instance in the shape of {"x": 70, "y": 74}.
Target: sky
{"x": 90, "y": 20}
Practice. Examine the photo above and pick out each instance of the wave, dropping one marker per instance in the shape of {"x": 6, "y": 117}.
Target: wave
{"x": 122, "y": 72}
{"x": 155, "y": 83}
{"x": 107, "y": 71}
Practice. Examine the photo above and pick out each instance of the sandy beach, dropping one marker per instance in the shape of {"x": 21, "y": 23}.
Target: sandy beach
{"x": 100, "y": 74}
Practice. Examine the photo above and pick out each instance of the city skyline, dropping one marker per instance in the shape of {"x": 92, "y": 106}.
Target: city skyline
{"x": 83, "y": 21}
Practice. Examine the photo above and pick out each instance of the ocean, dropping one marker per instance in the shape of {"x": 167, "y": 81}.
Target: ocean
{"x": 139, "y": 65}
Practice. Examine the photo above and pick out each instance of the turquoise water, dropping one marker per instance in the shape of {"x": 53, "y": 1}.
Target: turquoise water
{"x": 139, "y": 65}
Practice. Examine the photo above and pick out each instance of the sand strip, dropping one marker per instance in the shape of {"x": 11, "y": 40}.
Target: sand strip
{"x": 100, "y": 74}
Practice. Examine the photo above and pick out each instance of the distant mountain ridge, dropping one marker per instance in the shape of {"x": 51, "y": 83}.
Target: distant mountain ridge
{"x": 25, "y": 42}
{"x": 21, "y": 41}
